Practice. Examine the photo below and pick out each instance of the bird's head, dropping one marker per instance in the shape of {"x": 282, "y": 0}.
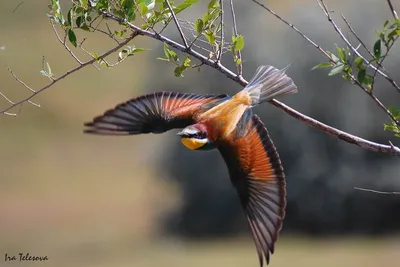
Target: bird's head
{"x": 195, "y": 137}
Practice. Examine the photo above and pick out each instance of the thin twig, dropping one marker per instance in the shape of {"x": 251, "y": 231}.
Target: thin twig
{"x": 295, "y": 29}
{"x": 20, "y": 81}
{"x": 376, "y": 191}
{"x": 376, "y": 147}
{"x": 337, "y": 29}
{"x": 385, "y": 109}
{"x": 177, "y": 24}
{"x": 18, "y": 6}
{"x": 63, "y": 42}
{"x": 392, "y": 9}
{"x": 361, "y": 42}
{"x": 221, "y": 44}
{"x": 235, "y": 32}
{"x": 66, "y": 74}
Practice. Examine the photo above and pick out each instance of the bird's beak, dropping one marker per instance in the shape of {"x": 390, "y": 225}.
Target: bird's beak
{"x": 181, "y": 133}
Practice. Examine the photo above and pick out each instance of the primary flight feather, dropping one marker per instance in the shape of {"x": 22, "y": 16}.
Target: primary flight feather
{"x": 227, "y": 124}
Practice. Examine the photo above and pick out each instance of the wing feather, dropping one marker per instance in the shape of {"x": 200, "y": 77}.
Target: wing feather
{"x": 152, "y": 113}
{"x": 257, "y": 174}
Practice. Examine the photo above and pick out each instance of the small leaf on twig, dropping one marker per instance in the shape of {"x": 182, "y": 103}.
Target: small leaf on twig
{"x": 170, "y": 54}
{"x": 72, "y": 37}
{"x": 198, "y": 25}
{"x": 238, "y": 42}
{"x": 322, "y": 65}
{"x": 185, "y": 4}
{"x": 129, "y": 51}
{"x": 337, "y": 69}
{"x": 377, "y": 49}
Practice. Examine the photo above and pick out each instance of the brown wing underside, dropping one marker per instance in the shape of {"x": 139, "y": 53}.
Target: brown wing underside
{"x": 152, "y": 113}
{"x": 257, "y": 174}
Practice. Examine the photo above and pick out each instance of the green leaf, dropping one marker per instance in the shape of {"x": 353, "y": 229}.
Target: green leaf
{"x": 393, "y": 33}
{"x": 322, "y": 65}
{"x": 361, "y": 75}
{"x": 336, "y": 70}
{"x": 83, "y": 3}
{"x": 129, "y": 51}
{"x": 213, "y": 4}
{"x": 169, "y": 53}
{"x": 185, "y": 4}
{"x": 179, "y": 70}
{"x": 386, "y": 23}
{"x": 79, "y": 21}
{"x": 198, "y": 25}
{"x": 72, "y": 37}
{"x": 70, "y": 18}
{"x": 358, "y": 62}
{"x": 238, "y": 43}
{"x": 210, "y": 36}
{"x": 163, "y": 59}
{"x": 341, "y": 54}
{"x": 390, "y": 127}
{"x": 368, "y": 80}
{"x": 377, "y": 49}
{"x": 143, "y": 9}
{"x": 187, "y": 61}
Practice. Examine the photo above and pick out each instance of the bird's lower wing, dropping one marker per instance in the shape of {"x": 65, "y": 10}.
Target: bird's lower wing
{"x": 152, "y": 113}
{"x": 257, "y": 174}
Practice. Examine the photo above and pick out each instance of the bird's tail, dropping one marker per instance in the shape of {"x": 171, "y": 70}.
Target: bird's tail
{"x": 268, "y": 82}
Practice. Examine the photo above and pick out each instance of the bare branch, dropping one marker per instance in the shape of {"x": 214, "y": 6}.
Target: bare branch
{"x": 19, "y": 5}
{"x": 66, "y": 74}
{"x": 63, "y": 42}
{"x": 177, "y": 24}
{"x": 221, "y": 44}
{"x": 337, "y": 29}
{"x": 295, "y": 29}
{"x": 376, "y": 147}
{"x": 392, "y": 9}
{"x": 361, "y": 42}
{"x": 235, "y": 32}
{"x": 20, "y": 81}
{"x": 378, "y": 192}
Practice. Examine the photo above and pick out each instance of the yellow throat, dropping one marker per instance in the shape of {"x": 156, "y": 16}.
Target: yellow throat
{"x": 193, "y": 143}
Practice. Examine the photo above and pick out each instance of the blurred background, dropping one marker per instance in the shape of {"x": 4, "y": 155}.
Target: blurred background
{"x": 148, "y": 201}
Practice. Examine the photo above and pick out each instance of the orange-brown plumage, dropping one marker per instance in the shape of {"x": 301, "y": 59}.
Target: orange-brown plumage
{"x": 228, "y": 124}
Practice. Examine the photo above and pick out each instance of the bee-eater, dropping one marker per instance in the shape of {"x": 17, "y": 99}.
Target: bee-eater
{"x": 228, "y": 124}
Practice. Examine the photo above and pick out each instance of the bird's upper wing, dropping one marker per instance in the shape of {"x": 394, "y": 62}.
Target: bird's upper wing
{"x": 152, "y": 113}
{"x": 257, "y": 174}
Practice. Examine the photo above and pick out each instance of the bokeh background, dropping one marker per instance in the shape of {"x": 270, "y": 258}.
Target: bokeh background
{"x": 146, "y": 200}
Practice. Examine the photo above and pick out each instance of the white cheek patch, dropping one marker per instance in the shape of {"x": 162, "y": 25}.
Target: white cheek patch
{"x": 189, "y": 131}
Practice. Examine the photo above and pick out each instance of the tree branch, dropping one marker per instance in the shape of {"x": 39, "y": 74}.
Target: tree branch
{"x": 327, "y": 14}
{"x": 368, "y": 92}
{"x": 375, "y": 191}
{"x": 392, "y": 9}
{"x": 66, "y": 74}
{"x": 376, "y": 147}
{"x": 221, "y": 44}
{"x": 177, "y": 23}
{"x": 235, "y": 32}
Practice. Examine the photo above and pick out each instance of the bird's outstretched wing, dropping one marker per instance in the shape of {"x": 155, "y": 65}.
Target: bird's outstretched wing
{"x": 152, "y": 113}
{"x": 257, "y": 174}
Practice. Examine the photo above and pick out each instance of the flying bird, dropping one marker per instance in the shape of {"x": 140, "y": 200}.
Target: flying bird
{"x": 229, "y": 125}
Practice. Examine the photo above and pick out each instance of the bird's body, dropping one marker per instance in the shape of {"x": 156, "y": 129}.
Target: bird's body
{"x": 227, "y": 124}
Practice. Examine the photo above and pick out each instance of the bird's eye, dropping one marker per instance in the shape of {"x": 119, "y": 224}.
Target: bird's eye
{"x": 199, "y": 135}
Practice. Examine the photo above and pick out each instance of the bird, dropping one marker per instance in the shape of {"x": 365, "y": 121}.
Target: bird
{"x": 211, "y": 121}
